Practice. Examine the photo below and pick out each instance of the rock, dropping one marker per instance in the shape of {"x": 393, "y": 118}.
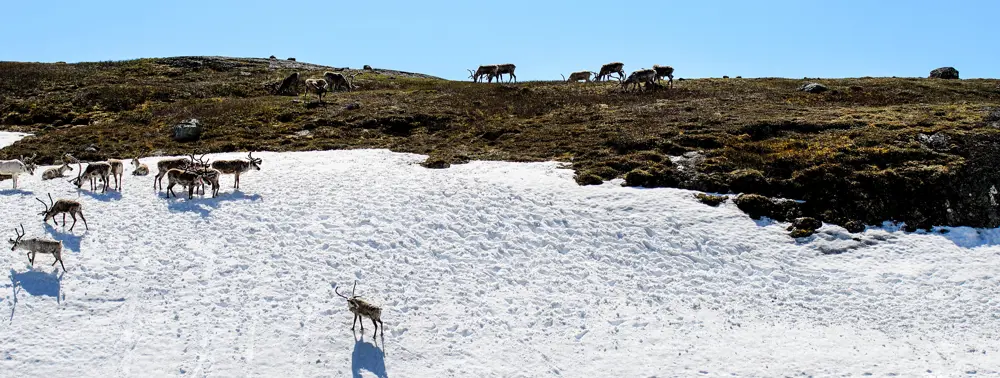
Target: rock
{"x": 813, "y": 88}
{"x": 992, "y": 118}
{"x": 725, "y": 76}
{"x": 291, "y": 59}
{"x": 747, "y": 181}
{"x": 806, "y": 223}
{"x": 91, "y": 148}
{"x": 944, "y": 73}
{"x": 367, "y": 68}
{"x": 936, "y": 141}
{"x": 352, "y": 106}
{"x": 587, "y": 178}
{"x": 854, "y": 226}
{"x": 710, "y": 199}
{"x": 739, "y": 77}
{"x": 188, "y": 130}
{"x": 758, "y": 206}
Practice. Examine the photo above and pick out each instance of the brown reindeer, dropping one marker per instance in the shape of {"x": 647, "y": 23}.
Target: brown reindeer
{"x": 98, "y": 170}
{"x": 616, "y": 68}
{"x": 337, "y": 80}
{"x": 63, "y": 206}
{"x": 664, "y": 71}
{"x": 290, "y": 82}
{"x": 362, "y": 309}
{"x": 489, "y": 72}
{"x": 165, "y": 165}
{"x": 506, "y": 69}
{"x": 237, "y": 167}
{"x": 117, "y": 171}
{"x": 184, "y": 177}
{"x": 638, "y": 78}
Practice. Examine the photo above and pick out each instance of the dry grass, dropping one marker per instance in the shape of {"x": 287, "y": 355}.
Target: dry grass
{"x": 757, "y": 135}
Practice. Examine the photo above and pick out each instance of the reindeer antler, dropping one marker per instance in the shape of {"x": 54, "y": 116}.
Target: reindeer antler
{"x": 43, "y": 204}
{"x": 338, "y": 293}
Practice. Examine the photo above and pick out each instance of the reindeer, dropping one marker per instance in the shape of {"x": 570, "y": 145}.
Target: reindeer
{"x": 338, "y": 80}
{"x": 579, "y": 75}
{"x": 140, "y": 169}
{"x": 57, "y": 172}
{"x": 15, "y": 168}
{"x": 208, "y": 174}
{"x": 117, "y": 171}
{"x": 664, "y": 71}
{"x": 184, "y": 177}
{"x": 317, "y": 86}
{"x": 639, "y": 77}
{"x": 363, "y": 309}
{"x": 288, "y": 83}
{"x": 617, "y": 68}
{"x": 507, "y": 69}
{"x": 165, "y": 165}
{"x": 35, "y": 246}
{"x": 489, "y": 71}
{"x": 98, "y": 170}
{"x": 237, "y": 167}
{"x": 63, "y": 206}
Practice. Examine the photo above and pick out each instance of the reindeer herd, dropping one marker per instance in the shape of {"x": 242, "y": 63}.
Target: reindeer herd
{"x": 646, "y": 78}
{"x": 190, "y": 172}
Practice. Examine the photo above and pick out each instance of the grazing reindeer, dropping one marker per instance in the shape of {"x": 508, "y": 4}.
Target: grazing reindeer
{"x": 362, "y": 309}
{"x": 506, "y": 69}
{"x": 664, "y": 71}
{"x": 15, "y": 168}
{"x": 489, "y": 72}
{"x": 35, "y": 246}
{"x": 54, "y": 173}
{"x": 338, "y": 80}
{"x": 288, "y": 83}
{"x": 208, "y": 175}
{"x": 117, "y": 171}
{"x": 616, "y": 68}
{"x": 98, "y": 170}
{"x": 639, "y": 77}
{"x": 579, "y": 75}
{"x": 73, "y": 208}
{"x": 165, "y": 165}
{"x": 140, "y": 169}
{"x": 237, "y": 167}
{"x": 317, "y": 86}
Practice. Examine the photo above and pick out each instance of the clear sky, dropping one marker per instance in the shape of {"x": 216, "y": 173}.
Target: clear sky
{"x": 699, "y": 38}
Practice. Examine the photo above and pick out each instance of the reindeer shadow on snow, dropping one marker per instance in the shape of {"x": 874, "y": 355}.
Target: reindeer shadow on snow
{"x": 204, "y": 206}
{"x": 70, "y": 241}
{"x": 14, "y": 192}
{"x": 367, "y": 357}
{"x": 36, "y": 283}
{"x": 110, "y": 195}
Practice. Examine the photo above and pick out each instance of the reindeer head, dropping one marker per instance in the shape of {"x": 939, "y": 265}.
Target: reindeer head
{"x": 135, "y": 162}
{"x": 29, "y": 163}
{"x": 14, "y": 242}
{"x": 48, "y": 213}
{"x": 353, "y": 300}
{"x": 254, "y": 162}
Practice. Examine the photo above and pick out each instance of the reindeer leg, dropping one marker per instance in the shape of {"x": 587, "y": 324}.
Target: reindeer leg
{"x": 373, "y": 322}
{"x": 355, "y": 322}
{"x": 64, "y": 219}
{"x": 30, "y": 260}
{"x": 84, "y": 221}
{"x": 74, "y": 221}
{"x": 64, "y": 269}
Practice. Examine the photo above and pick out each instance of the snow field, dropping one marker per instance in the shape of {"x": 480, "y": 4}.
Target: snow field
{"x": 487, "y": 269}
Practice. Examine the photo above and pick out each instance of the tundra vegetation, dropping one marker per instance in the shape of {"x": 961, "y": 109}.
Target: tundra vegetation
{"x": 917, "y": 150}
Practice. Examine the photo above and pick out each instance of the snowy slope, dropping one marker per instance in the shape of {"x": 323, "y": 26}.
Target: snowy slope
{"x": 487, "y": 269}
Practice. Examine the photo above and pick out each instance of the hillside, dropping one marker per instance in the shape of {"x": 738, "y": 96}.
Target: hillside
{"x": 918, "y": 151}
{"x": 487, "y": 269}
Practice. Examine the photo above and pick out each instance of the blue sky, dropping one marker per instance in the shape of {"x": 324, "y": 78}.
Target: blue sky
{"x": 700, "y": 38}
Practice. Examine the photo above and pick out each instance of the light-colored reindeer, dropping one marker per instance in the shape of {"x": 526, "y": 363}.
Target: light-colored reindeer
{"x": 165, "y": 165}
{"x": 638, "y": 78}
{"x": 15, "y": 168}
{"x": 362, "y": 309}
{"x": 140, "y": 169}
{"x": 98, "y": 170}
{"x": 237, "y": 167}
{"x": 664, "y": 71}
{"x": 579, "y": 75}
{"x": 506, "y": 69}
{"x": 56, "y": 172}
{"x": 63, "y": 206}
{"x": 35, "y": 246}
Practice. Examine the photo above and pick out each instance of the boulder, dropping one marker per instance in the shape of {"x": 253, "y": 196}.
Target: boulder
{"x": 188, "y": 130}
{"x": 367, "y": 68}
{"x": 806, "y": 223}
{"x": 813, "y": 88}
{"x": 992, "y": 118}
{"x": 944, "y": 73}
{"x": 710, "y": 199}
{"x": 854, "y": 226}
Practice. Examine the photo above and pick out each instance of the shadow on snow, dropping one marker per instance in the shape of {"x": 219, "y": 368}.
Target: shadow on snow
{"x": 367, "y": 357}
{"x": 204, "y": 206}
{"x": 70, "y": 241}
{"x": 36, "y": 283}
